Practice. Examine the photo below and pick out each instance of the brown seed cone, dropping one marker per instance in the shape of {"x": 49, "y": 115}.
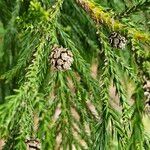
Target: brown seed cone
{"x": 33, "y": 144}
{"x": 61, "y": 58}
{"x": 146, "y": 88}
{"x": 117, "y": 41}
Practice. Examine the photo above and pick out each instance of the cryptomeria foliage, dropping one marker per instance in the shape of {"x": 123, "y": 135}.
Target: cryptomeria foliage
{"x": 73, "y": 109}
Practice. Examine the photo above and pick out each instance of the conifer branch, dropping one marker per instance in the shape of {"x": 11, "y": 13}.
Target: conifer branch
{"x": 28, "y": 42}
{"x": 25, "y": 54}
{"x": 79, "y": 63}
{"x": 99, "y": 15}
{"x": 24, "y": 97}
{"x": 109, "y": 114}
{"x": 137, "y": 136}
{"x": 138, "y": 109}
{"x": 141, "y": 57}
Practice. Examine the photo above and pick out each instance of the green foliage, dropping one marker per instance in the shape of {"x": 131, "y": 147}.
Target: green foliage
{"x": 74, "y": 109}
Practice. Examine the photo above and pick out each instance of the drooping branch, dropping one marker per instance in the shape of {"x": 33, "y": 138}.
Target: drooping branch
{"x": 21, "y": 104}
{"x": 99, "y": 15}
